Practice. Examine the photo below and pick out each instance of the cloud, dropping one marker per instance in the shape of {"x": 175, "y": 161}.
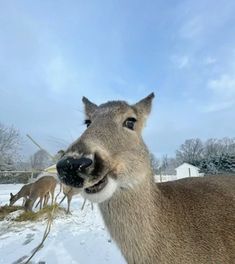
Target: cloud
{"x": 180, "y": 61}
{"x": 219, "y": 106}
{"x": 209, "y": 60}
{"x": 224, "y": 87}
{"x": 192, "y": 28}
{"x": 223, "y": 93}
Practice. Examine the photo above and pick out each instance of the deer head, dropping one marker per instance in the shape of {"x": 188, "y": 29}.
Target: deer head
{"x": 13, "y": 199}
{"x": 110, "y": 156}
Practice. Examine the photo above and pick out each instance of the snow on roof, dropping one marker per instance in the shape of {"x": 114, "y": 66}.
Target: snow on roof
{"x": 188, "y": 165}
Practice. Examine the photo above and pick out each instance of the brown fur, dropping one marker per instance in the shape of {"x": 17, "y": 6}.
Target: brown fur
{"x": 185, "y": 221}
{"x": 69, "y": 192}
{"x": 40, "y": 189}
{"x": 45, "y": 202}
{"x": 189, "y": 221}
{"x": 23, "y": 193}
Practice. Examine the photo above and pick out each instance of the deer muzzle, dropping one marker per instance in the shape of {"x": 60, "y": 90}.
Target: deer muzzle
{"x": 74, "y": 171}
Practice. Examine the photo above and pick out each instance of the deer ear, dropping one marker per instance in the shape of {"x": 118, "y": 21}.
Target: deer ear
{"x": 144, "y": 106}
{"x": 11, "y": 195}
{"x": 90, "y": 107}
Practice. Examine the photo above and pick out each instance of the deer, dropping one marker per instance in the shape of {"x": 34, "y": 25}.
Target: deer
{"x": 186, "y": 221}
{"x": 23, "y": 193}
{"x": 45, "y": 201}
{"x": 40, "y": 189}
{"x": 69, "y": 192}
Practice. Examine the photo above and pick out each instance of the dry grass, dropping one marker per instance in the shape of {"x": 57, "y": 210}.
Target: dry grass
{"x": 7, "y": 209}
{"x": 29, "y": 216}
{"x": 42, "y": 214}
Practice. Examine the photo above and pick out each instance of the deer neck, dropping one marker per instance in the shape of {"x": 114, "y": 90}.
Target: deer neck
{"x": 131, "y": 218}
{"x": 19, "y": 195}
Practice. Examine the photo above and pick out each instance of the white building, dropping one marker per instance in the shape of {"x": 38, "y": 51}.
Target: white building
{"x": 187, "y": 170}
{"x": 183, "y": 171}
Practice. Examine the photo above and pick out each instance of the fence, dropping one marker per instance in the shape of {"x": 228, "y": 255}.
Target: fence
{"x": 164, "y": 178}
{"x": 18, "y": 176}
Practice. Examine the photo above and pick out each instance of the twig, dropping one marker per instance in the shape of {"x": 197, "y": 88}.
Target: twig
{"x": 62, "y": 199}
{"x": 46, "y": 233}
{"x": 47, "y": 229}
{"x": 58, "y": 192}
{"x": 83, "y": 204}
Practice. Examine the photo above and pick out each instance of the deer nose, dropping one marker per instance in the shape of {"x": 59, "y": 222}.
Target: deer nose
{"x": 70, "y": 170}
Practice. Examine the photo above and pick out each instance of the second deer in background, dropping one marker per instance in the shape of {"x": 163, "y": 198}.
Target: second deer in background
{"x": 40, "y": 189}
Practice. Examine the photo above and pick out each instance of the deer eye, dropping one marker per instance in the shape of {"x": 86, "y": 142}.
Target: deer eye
{"x": 130, "y": 123}
{"x": 87, "y": 122}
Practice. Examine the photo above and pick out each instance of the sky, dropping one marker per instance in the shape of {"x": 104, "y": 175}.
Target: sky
{"x": 54, "y": 52}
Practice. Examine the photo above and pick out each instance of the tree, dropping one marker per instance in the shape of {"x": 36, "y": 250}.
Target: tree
{"x": 155, "y": 163}
{"x": 190, "y": 152}
{"x": 218, "y": 156}
{"x": 216, "y": 147}
{"x": 224, "y": 163}
{"x": 40, "y": 160}
{"x": 9, "y": 146}
{"x": 168, "y": 165}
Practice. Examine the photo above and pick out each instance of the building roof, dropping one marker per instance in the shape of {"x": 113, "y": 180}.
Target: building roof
{"x": 188, "y": 165}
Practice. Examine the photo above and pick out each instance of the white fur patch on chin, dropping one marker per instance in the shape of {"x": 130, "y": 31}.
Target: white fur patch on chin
{"x": 103, "y": 195}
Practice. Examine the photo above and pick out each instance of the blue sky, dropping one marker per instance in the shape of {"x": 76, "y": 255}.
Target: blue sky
{"x": 54, "y": 52}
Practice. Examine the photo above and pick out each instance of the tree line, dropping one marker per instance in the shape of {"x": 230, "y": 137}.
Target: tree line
{"x": 213, "y": 156}
{"x": 11, "y": 159}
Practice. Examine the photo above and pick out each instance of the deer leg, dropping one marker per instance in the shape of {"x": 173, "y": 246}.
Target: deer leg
{"x": 69, "y": 198}
{"x": 52, "y": 197}
{"x": 41, "y": 199}
{"x": 24, "y": 200}
{"x": 29, "y": 205}
{"x": 46, "y": 198}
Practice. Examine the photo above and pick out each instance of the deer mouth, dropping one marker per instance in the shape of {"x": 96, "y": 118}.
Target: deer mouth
{"x": 98, "y": 186}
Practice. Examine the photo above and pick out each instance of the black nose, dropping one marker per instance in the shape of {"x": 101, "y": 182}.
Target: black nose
{"x": 70, "y": 169}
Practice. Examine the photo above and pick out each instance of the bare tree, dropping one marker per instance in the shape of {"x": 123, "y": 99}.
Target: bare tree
{"x": 9, "y": 145}
{"x": 168, "y": 165}
{"x": 40, "y": 160}
{"x": 155, "y": 163}
{"x": 191, "y": 151}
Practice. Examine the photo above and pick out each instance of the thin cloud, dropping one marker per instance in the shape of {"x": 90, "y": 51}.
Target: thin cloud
{"x": 192, "y": 28}
{"x": 223, "y": 93}
{"x": 180, "y": 62}
{"x": 209, "y": 60}
{"x": 217, "y": 107}
{"x": 224, "y": 86}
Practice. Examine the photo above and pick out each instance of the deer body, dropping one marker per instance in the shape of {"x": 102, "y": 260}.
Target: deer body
{"x": 184, "y": 221}
{"x": 23, "y": 193}
{"x": 40, "y": 189}
{"x": 69, "y": 192}
{"x": 189, "y": 221}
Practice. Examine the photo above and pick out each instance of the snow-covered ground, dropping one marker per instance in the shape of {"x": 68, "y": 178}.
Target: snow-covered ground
{"x": 77, "y": 238}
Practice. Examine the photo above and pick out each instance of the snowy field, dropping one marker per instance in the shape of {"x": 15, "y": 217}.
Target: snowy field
{"x": 74, "y": 239}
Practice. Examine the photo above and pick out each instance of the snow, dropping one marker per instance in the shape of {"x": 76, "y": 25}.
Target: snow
{"x": 74, "y": 239}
